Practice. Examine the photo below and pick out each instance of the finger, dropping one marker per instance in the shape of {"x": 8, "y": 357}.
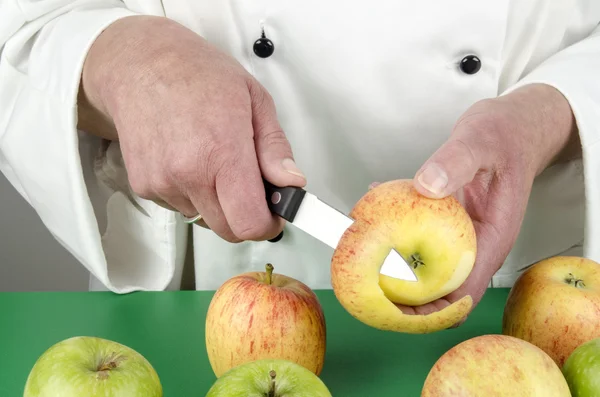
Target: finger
{"x": 206, "y": 203}
{"x": 181, "y": 205}
{"x": 273, "y": 150}
{"x": 165, "y": 205}
{"x": 459, "y": 194}
{"x": 426, "y": 308}
{"x": 241, "y": 194}
{"x": 453, "y": 165}
{"x": 177, "y": 204}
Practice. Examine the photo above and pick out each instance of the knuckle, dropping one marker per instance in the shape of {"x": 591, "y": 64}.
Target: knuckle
{"x": 262, "y": 101}
{"x": 162, "y": 185}
{"x": 260, "y": 96}
{"x": 222, "y": 158}
{"x": 179, "y": 169}
{"x": 141, "y": 188}
{"x": 230, "y": 238}
{"x": 278, "y": 139}
{"x": 463, "y": 150}
{"x": 250, "y": 228}
{"x": 224, "y": 230}
{"x": 267, "y": 100}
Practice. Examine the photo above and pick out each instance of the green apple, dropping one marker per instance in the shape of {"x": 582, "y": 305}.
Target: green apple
{"x": 269, "y": 378}
{"x": 582, "y": 369}
{"x": 92, "y": 367}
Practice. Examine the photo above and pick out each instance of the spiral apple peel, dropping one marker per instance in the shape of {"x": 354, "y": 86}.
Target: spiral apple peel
{"x": 435, "y": 236}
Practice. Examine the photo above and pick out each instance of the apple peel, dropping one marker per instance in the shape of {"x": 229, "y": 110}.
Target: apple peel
{"x": 435, "y": 235}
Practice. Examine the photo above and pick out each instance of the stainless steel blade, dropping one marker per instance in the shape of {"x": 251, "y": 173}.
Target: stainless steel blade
{"x": 327, "y": 224}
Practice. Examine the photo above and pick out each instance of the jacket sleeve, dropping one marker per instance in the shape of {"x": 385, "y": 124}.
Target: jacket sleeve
{"x": 43, "y": 45}
{"x": 575, "y": 72}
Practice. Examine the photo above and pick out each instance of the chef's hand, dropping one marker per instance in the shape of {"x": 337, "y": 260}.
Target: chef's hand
{"x": 197, "y": 132}
{"x": 489, "y": 163}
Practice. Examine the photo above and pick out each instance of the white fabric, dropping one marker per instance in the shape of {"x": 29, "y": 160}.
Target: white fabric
{"x": 365, "y": 91}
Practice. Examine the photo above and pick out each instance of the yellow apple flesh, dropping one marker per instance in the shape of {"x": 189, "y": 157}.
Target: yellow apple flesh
{"x": 435, "y": 236}
{"x": 261, "y": 315}
{"x": 495, "y": 365}
{"x": 555, "y": 304}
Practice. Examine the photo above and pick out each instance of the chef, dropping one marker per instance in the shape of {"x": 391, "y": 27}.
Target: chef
{"x": 121, "y": 120}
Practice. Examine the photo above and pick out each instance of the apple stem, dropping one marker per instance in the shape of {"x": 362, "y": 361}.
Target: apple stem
{"x": 571, "y": 280}
{"x": 109, "y": 363}
{"x": 107, "y": 366}
{"x": 272, "y": 374}
{"x": 269, "y": 268}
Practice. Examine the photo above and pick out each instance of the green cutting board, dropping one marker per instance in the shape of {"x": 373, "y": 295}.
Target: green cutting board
{"x": 168, "y": 329}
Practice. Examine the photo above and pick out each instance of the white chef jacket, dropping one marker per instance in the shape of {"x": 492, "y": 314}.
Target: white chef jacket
{"x": 365, "y": 91}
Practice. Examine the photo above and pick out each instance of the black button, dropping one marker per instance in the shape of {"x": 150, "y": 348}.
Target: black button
{"x": 263, "y": 47}
{"x": 470, "y": 64}
{"x": 276, "y": 239}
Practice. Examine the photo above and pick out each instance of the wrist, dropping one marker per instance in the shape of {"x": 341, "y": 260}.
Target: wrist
{"x": 116, "y": 62}
{"x": 98, "y": 74}
{"x": 547, "y": 120}
{"x": 109, "y": 59}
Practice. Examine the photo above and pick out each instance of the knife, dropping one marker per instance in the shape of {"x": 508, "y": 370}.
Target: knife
{"x": 325, "y": 223}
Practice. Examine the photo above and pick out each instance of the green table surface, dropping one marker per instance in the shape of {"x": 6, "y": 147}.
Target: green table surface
{"x": 168, "y": 329}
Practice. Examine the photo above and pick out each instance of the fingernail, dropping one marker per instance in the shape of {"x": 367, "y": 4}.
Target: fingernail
{"x": 433, "y": 178}
{"x": 290, "y": 166}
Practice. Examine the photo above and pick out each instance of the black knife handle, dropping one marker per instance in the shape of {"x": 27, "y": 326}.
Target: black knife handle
{"x": 284, "y": 201}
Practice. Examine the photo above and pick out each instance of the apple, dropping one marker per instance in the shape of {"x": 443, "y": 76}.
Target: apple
{"x": 582, "y": 369}
{"x": 435, "y": 236}
{"x": 92, "y": 367}
{"x": 555, "y": 304}
{"x": 269, "y": 378}
{"x": 495, "y": 365}
{"x": 262, "y": 315}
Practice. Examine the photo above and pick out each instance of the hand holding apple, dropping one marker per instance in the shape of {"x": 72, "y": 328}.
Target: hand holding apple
{"x": 495, "y": 151}
{"x": 262, "y": 315}
{"x": 92, "y": 367}
{"x": 555, "y": 304}
{"x": 269, "y": 378}
{"x": 495, "y": 365}
{"x": 436, "y": 236}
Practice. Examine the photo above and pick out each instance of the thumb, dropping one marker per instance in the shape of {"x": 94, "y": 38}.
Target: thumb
{"x": 452, "y": 166}
{"x": 273, "y": 150}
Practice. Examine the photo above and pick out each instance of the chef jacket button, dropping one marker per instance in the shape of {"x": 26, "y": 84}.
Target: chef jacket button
{"x": 276, "y": 239}
{"x": 470, "y": 64}
{"x": 263, "y": 47}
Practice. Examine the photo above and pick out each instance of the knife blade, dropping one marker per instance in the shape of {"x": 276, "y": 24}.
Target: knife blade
{"x": 313, "y": 216}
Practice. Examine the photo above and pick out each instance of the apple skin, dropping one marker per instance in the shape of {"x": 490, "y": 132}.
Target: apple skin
{"x": 553, "y": 314}
{"x": 71, "y": 368}
{"x": 252, "y": 379}
{"x": 582, "y": 369}
{"x": 438, "y": 231}
{"x": 495, "y": 365}
{"x": 252, "y": 318}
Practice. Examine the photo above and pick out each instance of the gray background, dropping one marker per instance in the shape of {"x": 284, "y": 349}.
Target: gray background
{"x": 30, "y": 258}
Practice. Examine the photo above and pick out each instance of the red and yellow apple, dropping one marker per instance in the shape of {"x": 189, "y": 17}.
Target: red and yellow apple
{"x": 495, "y": 365}
{"x": 555, "y": 304}
{"x": 262, "y": 315}
{"x": 435, "y": 236}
